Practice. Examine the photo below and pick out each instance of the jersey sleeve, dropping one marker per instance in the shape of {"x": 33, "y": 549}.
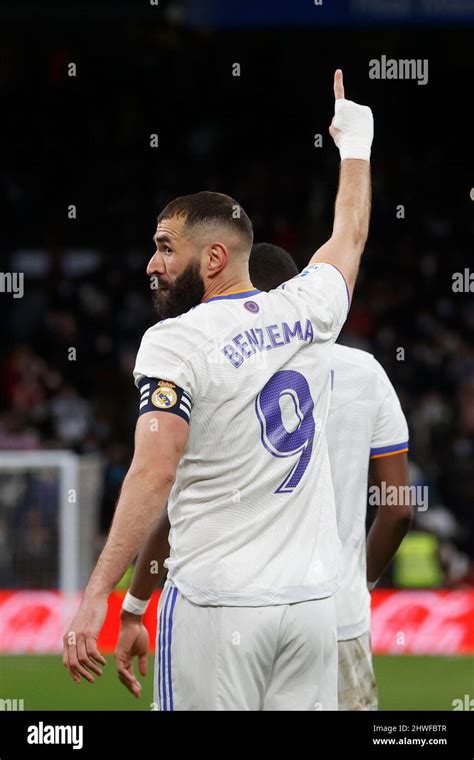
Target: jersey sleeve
{"x": 390, "y": 435}
{"x": 324, "y": 292}
{"x": 164, "y": 371}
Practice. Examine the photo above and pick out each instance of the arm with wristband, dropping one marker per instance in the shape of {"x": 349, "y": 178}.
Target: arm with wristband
{"x": 133, "y": 637}
{"x": 352, "y": 129}
{"x": 143, "y": 499}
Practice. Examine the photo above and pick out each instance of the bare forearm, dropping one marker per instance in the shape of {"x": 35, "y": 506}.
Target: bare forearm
{"x": 141, "y": 500}
{"x": 149, "y": 567}
{"x": 385, "y": 536}
{"x": 353, "y": 201}
{"x": 351, "y": 220}
{"x": 392, "y": 520}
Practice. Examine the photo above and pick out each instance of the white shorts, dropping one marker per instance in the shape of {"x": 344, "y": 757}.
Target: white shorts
{"x": 357, "y": 689}
{"x": 280, "y": 657}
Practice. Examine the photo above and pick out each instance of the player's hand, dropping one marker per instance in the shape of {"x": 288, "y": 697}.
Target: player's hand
{"x": 352, "y": 127}
{"x": 133, "y": 642}
{"x": 338, "y": 95}
{"x": 80, "y": 654}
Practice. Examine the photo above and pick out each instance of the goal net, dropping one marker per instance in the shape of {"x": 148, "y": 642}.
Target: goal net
{"x": 49, "y": 502}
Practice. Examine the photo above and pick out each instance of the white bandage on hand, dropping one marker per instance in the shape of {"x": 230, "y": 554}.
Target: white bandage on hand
{"x": 134, "y": 605}
{"x": 356, "y": 125}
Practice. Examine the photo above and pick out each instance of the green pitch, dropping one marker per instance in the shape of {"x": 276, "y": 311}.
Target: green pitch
{"x": 405, "y": 683}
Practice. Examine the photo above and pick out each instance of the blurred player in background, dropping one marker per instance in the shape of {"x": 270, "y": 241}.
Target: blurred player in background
{"x": 365, "y": 426}
{"x": 365, "y": 423}
{"x": 235, "y": 390}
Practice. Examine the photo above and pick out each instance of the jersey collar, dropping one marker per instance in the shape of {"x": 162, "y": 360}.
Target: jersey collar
{"x": 234, "y": 294}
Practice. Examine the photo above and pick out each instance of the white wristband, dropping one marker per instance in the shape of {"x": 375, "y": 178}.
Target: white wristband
{"x": 356, "y": 125}
{"x": 134, "y": 605}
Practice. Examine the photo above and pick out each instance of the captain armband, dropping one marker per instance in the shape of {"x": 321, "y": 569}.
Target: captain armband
{"x": 163, "y": 396}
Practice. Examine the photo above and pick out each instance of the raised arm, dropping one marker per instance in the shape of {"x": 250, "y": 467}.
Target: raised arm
{"x": 352, "y": 131}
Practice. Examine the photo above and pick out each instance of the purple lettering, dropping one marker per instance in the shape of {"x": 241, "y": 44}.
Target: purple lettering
{"x": 233, "y": 356}
{"x": 288, "y": 333}
{"x": 272, "y": 331}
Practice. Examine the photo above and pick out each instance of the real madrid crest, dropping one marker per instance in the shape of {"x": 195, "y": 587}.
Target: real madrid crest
{"x": 164, "y": 397}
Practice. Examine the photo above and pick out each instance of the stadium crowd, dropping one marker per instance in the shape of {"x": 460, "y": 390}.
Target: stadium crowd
{"x": 80, "y": 189}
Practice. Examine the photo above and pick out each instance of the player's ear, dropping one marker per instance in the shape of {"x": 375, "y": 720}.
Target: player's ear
{"x": 218, "y": 256}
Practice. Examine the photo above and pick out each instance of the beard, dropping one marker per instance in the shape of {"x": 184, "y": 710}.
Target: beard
{"x": 177, "y": 297}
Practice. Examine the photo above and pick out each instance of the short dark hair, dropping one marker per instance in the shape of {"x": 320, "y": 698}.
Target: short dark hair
{"x": 270, "y": 265}
{"x": 211, "y": 208}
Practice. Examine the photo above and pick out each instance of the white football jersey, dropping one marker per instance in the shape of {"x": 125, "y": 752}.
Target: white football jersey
{"x": 365, "y": 420}
{"x": 252, "y": 509}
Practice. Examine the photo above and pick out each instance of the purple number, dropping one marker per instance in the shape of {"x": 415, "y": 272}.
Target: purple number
{"x": 275, "y": 437}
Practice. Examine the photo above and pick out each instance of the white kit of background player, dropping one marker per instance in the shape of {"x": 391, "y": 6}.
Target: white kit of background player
{"x": 365, "y": 421}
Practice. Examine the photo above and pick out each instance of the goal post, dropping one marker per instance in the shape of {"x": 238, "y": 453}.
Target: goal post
{"x": 69, "y": 518}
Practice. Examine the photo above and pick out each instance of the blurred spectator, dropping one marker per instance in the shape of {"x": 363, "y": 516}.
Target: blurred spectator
{"x": 70, "y": 343}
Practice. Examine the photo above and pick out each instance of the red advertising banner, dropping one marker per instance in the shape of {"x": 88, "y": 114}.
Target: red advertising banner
{"x": 35, "y": 621}
{"x": 423, "y": 622}
{"x": 403, "y": 622}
